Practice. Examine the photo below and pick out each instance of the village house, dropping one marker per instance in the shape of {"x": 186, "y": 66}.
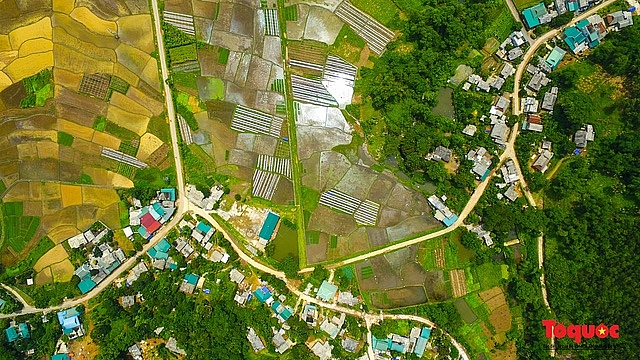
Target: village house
{"x": 281, "y": 344}
{"x": 469, "y": 130}
{"x": 529, "y": 105}
{"x": 188, "y": 284}
{"x": 537, "y": 15}
{"x": 135, "y": 351}
{"x": 542, "y": 162}
{"x": 350, "y": 344}
{"x": 538, "y": 81}
{"x": 619, "y": 19}
{"x": 509, "y": 172}
{"x": 482, "y": 234}
{"x": 442, "y": 212}
{"x": 172, "y": 345}
{"x": 70, "y": 322}
{"x": 481, "y": 162}
{"x": 17, "y": 331}
{"x": 322, "y": 350}
{"x": 511, "y": 193}
{"x": 550, "y": 98}
{"x": 254, "y": 340}
{"x": 440, "y": 153}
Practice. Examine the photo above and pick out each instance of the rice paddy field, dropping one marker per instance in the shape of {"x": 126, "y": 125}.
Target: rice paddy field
{"x": 68, "y": 89}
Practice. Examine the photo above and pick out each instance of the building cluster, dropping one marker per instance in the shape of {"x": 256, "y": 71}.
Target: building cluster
{"x": 16, "y": 332}
{"x": 148, "y": 219}
{"x": 333, "y": 327}
{"x": 189, "y": 283}
{"x": 494, "y": 81}
{"x": 511, "y": 49}
{"x": 91, "y": 236}
{"x": 416, "y": 343}
{"x": 583, "y": 136}
{"x": 500, "y": 130}
{"x": 135, "y": 272}
{"x": 197, "y": 197}
{"x": 482, "y": 234}
{"x": 70, "y": 321}
{"x": 588, "y": 33}
{"x": 442, "y": 213}
{"x": 481, "y": 162}
{"x": 159, "y": 255}
{"x": 202, "y": 233}
{"x": 102, "y": 261}
{"x": 440, "y": 153}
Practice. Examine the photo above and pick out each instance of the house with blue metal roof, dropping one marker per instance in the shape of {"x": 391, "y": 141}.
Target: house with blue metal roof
{"x": 269, "y": 226}
{"x": 70, "y": 322}
{"x": 2, "y": 304}
{"x": 60, "y": 357}
{"x": 167, "y": 194}
{"x": 587, "y": 33}
{"x": 536, "y": 15}
{"x": 160, "y": 251}
{"x": 262, "y": 295}
{"x": 555, "y": 57}
{"x": 327, "y": 291}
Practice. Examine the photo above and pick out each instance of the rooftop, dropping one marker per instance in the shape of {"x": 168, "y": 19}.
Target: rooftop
{"x": 269, "y": 226}
{"x": 327, "y": 291}
{"x": 532, "y": 15}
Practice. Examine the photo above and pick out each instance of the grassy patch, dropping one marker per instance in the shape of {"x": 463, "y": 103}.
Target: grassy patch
{"x": 174, "y": 37}
{"x": 123, "y": 210}
{"x": 211, "y": 88}
{"x": 312, "y": 237}
{"x": 126, "y": 170}
{"x": 348, "y": 45}
{"x": 186, "y": 79}
{"x": 333, "y": 243}
{"x": 120, "y": 132}
{"x": 523, "y": 4}
{"x": 489, "y": 275}
{"x": 85, "y": 179}
{"x": 503, "y": 24}
{"x": 384, "y": 11}
{"x": 310, "y": 198}
{"x": 127, "y": 148}
{"x": 409, "y": 5}
{"x": 19, "y": 230}
{"x": 291, "y": 13}
{"x": 119, "y": 85}
{"x": 182, "y": 54}
{"x": 367, "y": 272}
{"x": 99, "y": 123}
{"x": 158, "y": 126}
{"x": 223, "y": 56}
{"x": 45, "y": 244}
{"x": 65, "y": 139}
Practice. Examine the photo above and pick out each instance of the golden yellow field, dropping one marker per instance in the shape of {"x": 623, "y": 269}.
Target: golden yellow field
{"x": 94, "y": 23}
{"x": 124, "y": 243}
{"x": 134, "y": 59}
{"x": 99, "y": 196}
{"x": 148, "y": 144}
{"x": 105, "y": 139}
{"x": 5, "y": 44}
{"x": 126, "y": 74}
{"x": 86, "y": 147}
{"x": 63, "y": 6}
{"x": 48, "y": 149}
{"x": 136, "y": 123}
{"x": 62, "y": 37}
{"x": 5, "y": 81}
{"x": 29, "y": 65}
{"x": 132, "y": 31}
{"x": 62, "y": 271}
{"x": 110, "y": 216}
{"x": 124, "y": 102}
{"x": 55, "y": 255}
{"x": 34, "y": 46}
{"x": 6, "y": 57}
{"x": 78, "y": 131}
{"x": 71, "y": 195}
{"x": 62, "y": 233}
{"x": 119, "y": 181}
{"x": 40, "y": 29}
{"x": 27, "y": 151}
{"x": 44, "y": 277}
{"x": 150, "y": 74}
{"x": 156, "y": 107}
{"x": 19, "y": 192}
{"x": 78, "y": 62}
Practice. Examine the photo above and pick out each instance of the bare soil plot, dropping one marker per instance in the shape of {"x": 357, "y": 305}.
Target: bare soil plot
{"x": 242, "y": 20}
{"x": 70, "y": 171}
{"x": 317, "y": 252}
{"x": 55, "y": 255}
{"x": 322, "y": 25}
{"x": 496, "y": 301}
{"x": 225, "y": 13}
{"x": 381, "y": 188}
{"x": 501, "y": 319}
{"x": 490, "y": 294}
{"x": 238, "y": 95}
{"x": 407, "y": 200}
{"x": 209, "y": 65}
{"x": 325, "y": 220}
{"x": 358, "y": 241}
{"x": 411, "y": 226}
{"x": 257, "y": 69}
{"x": 47, "y": 149}
{"x": 295, "y": 29}
{"x": 265, "y": 144}
{"x": 32, "y": 208}
{"x": 44, "y": 169}
{"x": 412, "y": 273}
{"x": 221, "y": 111}
{"x": 465, "y": 311}
{"x": 272, "y": 50}
{"x": 390, "y": 217}
{"x": 458, "y": 283}
{"x": 357, "y": 181}
{"x": 387, "y": 278}
{"x": 377, "y": 236}
{"x": 62, "y": 271}
{"x": 267, "y": 101}
{"x": 12, "y": 95}
{"x": 311, "y": 140}
{"x": 284, "y": 192}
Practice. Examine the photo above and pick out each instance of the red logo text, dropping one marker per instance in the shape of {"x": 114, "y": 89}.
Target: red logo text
{"x": 577, "y": 332}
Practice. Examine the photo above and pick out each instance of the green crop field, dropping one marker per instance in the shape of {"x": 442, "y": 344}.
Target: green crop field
{"x": 119, "y": 85}
{"x": 127, "y": 148}
{"x": 278, "y": 86}
{"x": 367, "y": 272}
{"x": 183, "y": 54}
{"x": 291, "y": 13}
{"x": 120, "y": 132}
{"x": 13, "y": 209}
{"x": 65, "y": 139}
{"x": 99, "y": 123}
{"x": 489, "y": 275}
{"x": 503, "y": 24}
{"x": 186, "y": 79}
{"x": 334, "y": 242}
{"x": 85, "y": 179}
{"x": 223, "y": 56}
{"x": 19, "y": 230}
{"x": 126, "y": 170}
{"x": 382, "y": 10}
{"x": 313, "y": 237}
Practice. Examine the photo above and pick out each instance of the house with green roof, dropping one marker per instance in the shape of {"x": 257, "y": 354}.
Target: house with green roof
{"x": 192, "y": 279}
{"x": 60, "y": 357}
{"x": 160, "y": 251}
{"x": 167, "y": 194}
{"x": 2, "y": 304}
{"x": 327, "y": 291}
{"x": 86, "y": 285}
{"x": 555, "y": 57}
{"x": 380, "y": 344}
{"x": 536, "y": 15}
{"x": 262, "y": 295}
{"x": 269, "y": 226}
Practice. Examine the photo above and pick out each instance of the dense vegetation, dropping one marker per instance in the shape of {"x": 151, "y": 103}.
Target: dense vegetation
{"x": 593, "y": 220}
{"x": 403, "y": 86}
